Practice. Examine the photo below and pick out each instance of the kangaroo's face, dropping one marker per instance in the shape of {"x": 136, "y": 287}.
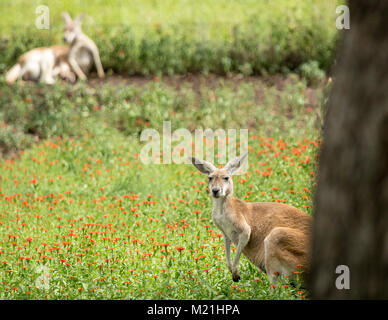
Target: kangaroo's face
{"x": 220, "y": 183}
{"x": 72, "y": 27}
{"x": 220, "y": 180}
{"x": 71, "y": 31}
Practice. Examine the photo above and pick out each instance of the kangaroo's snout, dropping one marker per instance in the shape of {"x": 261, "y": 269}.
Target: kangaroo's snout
{"x": 216, "y": 192}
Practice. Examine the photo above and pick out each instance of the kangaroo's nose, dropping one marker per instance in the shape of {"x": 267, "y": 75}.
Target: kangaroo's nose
{"x": 216, "y": 191}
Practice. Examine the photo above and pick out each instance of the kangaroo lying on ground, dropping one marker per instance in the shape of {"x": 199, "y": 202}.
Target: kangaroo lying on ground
{"x": 273, "y": 236}
{"x": 46, "y": 63}
{"x": 42, "y": 64}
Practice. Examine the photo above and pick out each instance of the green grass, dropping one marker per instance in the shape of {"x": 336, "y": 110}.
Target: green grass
{"x": 106, "y": 226}
{"x": 177, "y": 37}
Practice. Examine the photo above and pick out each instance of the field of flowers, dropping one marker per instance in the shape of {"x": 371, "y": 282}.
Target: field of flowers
{"x": 81, "y": 217}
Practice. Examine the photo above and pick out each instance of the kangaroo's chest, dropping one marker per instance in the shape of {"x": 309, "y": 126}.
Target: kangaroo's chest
{"x": 84, "y": 58}
{"x": 222, "y": 221}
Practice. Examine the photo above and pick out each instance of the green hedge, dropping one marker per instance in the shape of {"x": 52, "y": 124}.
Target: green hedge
{"x": 277, "y": 40}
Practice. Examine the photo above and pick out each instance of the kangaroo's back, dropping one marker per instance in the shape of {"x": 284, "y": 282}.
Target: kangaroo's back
{"x": 268, "y": 215}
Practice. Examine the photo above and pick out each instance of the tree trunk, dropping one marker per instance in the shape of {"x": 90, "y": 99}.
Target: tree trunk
{"x": 351, "y": 201}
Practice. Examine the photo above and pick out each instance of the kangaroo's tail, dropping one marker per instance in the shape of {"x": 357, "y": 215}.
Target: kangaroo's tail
{"x": 13, "y": 74}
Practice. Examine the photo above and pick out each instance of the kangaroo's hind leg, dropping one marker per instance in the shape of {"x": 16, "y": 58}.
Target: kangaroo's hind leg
{"x": 285, "y": 249}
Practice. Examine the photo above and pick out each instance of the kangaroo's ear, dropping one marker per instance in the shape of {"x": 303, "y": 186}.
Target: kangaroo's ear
{"x": 202, "y": 165}
{"x": 233, "y": 165}
{"x": 80, "y": 18}
{"x": 66, "y": 16}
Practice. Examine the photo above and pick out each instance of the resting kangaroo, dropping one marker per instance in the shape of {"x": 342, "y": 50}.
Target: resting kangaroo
{"x": 46, "y": 63}
{"x": 272, "y": 236}
{"x": 42, "y": 64}
{"x": 83, "y": 51}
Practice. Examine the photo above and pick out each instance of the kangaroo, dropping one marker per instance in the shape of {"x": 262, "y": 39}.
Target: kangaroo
{"x": 42, "y": 64}
{"x": 67, "y": 61}
{"x": 273, "y": 236}
{"x": 82, "y": 50}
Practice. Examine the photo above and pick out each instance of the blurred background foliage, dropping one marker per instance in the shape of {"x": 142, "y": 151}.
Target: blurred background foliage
{"x": 177, "y": 37}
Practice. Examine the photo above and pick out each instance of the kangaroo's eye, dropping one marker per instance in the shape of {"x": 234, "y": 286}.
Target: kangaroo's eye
{"x": 226, "y": 178}
{"x": 210, "y": 178}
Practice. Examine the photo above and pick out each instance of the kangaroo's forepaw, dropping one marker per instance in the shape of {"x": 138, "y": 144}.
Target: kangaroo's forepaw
{"x": 236, "y": 277}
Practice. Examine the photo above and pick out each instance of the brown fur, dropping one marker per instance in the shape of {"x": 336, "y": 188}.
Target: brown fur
{"x": 291, "y": 238}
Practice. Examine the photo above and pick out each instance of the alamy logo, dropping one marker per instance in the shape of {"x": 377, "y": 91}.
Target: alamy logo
{"x": 177, "y": 146}
{"x": 343, "y": 280}
{"x": 43, "y": 281}
{"x": 42, "y": 20}
{"x": 343, "y": 20}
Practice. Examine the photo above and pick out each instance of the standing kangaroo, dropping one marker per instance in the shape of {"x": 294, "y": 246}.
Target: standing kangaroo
{"x": 272, "y": 236}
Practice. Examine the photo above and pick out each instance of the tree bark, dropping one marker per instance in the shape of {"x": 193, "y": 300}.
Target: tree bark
{"x": 351, "y": 201}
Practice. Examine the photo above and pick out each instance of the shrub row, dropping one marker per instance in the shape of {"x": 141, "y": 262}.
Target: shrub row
{"x": 250, "y": 48}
